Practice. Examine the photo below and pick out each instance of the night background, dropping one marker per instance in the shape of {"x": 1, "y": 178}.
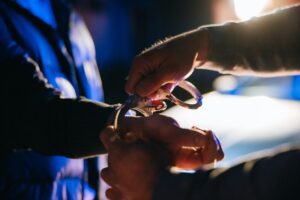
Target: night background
{"x": 122, "y": 29}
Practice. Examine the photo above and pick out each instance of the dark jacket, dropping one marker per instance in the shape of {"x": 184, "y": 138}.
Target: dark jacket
{"x": 266, "y": 44}
{"x": 272, "y": 177}
{"x": 36, "y": 119}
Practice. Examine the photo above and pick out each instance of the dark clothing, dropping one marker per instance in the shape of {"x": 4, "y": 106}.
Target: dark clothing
{"x": 269, "y": 178}
{"x": 31, "y": 105}
{"x": 36, "y": 115}
{"x": 269, "y": 43}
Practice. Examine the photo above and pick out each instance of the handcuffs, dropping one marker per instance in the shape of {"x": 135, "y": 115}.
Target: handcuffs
{"x": 144, "y": 106}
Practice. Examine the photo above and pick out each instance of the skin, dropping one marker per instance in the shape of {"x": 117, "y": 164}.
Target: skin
{"x": 163, "y": 66}
{"x": 167, "y": 62}
{"x": 200, "y": 146}
{"x": 134, "y": 166}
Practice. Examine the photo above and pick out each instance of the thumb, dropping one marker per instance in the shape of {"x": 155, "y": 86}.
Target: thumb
{"x": 150, "y": 84}
{"x": 133, "y": 125}
{"x": 188, "y": 138}
{"x": 164, "y": 76}
{"x": 109, "y": 141}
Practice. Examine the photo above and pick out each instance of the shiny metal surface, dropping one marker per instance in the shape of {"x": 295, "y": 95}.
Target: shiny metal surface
{"x": 145, "y": 107}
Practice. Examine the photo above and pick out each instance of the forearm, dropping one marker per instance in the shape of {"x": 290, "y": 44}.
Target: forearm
{"x": 51, "y": 125}
{"x": 78, "y": 124}
{"x": 261, "y": 45}
{"x": 68, "y": 127}
{"x": 34, "y": 116}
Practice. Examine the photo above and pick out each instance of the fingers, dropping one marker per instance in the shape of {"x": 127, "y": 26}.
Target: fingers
{"x": 113, "y": 146}
{"x": 212, "y": 151}
{"x": 168, "y": 62}
{"x": 193, "y": 157}
{"x": 108, "y": 176}
{"x": 188, "y": 138}
{"x": 206, "y": 144}
{"x": 150, "y": 84}
{"x": 134, "y": 125}
{"x": 189, "y": 149}
{"x": 138, "y": 70}
{"x": 165, "y": 130}
{"x": 148, "y": 73}
{"x": 114, "y": 194}
{"x": 197, "y": 147}
{"x": 169, "y": 87}
{"x": 106, "y": 136}
{"x": 156, "y": 127}
{"x": 189, "y": 159}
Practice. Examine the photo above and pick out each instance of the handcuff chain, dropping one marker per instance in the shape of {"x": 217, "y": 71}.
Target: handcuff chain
{"x": 146, "y": 107}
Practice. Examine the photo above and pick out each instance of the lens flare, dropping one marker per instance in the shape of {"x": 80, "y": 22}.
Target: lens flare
{"x": 245, "y": 9}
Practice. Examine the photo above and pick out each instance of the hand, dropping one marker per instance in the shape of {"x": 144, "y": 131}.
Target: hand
{"x": 187, "y": 148}
{"x": 133, "y": 167}
{"x": 166, "y": 63}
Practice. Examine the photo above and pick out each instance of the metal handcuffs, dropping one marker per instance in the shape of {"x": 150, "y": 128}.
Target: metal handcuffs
{"x": 145, "y": 107}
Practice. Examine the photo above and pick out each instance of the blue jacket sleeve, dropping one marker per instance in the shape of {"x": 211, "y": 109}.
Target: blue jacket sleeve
{"x": 34, "y": 116}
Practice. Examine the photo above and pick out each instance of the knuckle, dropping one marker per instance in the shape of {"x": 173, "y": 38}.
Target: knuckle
{"x": 169, "y": 120}
{"x": 208, "y": 158}
{"x": 198, "y": 139}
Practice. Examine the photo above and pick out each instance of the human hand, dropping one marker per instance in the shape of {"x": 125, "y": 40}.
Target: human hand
{"x": 167, "y": 63}
{"x": 133, "y": 167}
{"x": 187, "y": 148}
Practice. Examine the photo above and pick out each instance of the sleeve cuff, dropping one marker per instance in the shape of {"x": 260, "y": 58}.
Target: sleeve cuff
{"x": 81, "y": 122}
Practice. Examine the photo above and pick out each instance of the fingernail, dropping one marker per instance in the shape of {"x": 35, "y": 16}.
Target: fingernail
{"x": 217, "y": 142}
{"x": 195, "y": 128}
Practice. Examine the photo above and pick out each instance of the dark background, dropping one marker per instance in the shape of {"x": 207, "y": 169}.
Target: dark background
{"x": 121, "y": 29}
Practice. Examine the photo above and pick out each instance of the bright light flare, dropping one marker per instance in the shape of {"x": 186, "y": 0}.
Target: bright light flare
{"x": 245, "y": 9}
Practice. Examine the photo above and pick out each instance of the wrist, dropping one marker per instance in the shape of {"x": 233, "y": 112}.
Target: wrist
{"x": 111, "y": 118}
{"x": 202, "y": 46}
{"x": 122, "y": 128}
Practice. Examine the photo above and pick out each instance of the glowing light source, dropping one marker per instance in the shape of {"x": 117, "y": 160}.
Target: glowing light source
{"x": 225, "y": 83}
{"x": 245, "y": 9}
